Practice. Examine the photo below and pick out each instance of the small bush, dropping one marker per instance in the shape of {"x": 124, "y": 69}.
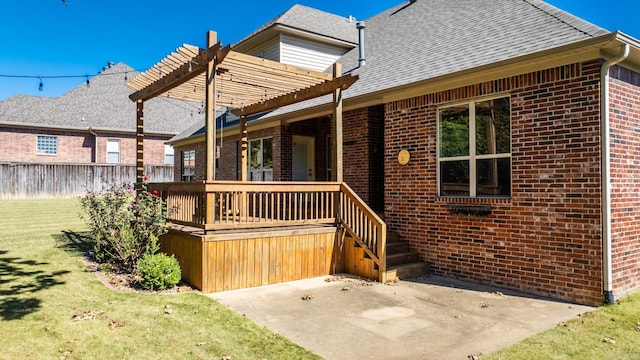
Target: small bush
{"x": 159, "y": 271}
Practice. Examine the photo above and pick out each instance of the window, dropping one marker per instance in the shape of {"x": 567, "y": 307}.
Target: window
{"x": 188, "y": 165}
{"x": 474, "y": 149}
{"x": 168, "y": 155}
{"x": 113, "y": 151}
{"x": 260, "y": 160}
{"x": 47, "y": 145}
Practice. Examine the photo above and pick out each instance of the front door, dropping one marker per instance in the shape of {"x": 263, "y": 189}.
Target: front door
{"x": 303, "y": 158}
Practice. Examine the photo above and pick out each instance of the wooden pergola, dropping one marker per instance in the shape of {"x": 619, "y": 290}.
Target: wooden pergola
{"x": 219, "y": 76}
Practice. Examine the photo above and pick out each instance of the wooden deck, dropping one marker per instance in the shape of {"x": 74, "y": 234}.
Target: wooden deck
{"x": 231, "y": 235}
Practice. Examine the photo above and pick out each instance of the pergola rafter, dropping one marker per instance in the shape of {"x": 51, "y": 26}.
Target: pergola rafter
{"x": 239, "y": 81}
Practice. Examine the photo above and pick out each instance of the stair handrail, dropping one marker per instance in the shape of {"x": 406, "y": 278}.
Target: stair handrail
{"x": 350, "y": 199}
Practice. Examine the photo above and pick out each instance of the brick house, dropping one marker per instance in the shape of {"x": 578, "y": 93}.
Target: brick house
{"x": 92, "y": 123}
{"x": 499, "y": 138}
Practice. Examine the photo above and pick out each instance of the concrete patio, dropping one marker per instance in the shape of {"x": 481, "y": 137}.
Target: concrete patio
{"x": 431, "y": 317}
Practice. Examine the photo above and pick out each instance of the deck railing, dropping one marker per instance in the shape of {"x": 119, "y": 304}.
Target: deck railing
{"x": 224, "y": 205}
{"x": 365, "y": 226}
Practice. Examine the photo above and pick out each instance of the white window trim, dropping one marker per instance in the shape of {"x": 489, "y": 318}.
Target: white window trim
{"x": 472, "y": 157}
{"x": 169, "y": 150}
{"x": 192, "y": 169}
{"x": 113, "y": 141}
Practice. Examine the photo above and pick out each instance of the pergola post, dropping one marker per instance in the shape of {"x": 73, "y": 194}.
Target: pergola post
{"x": 337, "y": 125}
{"x": 244, "y": 166}
{"x": 139, "y": 142}
{"x": 244, "y": 149}
{"x": 210, "y": 115}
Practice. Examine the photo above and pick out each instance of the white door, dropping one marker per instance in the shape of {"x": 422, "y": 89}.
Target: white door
{"x": 303, "y": 158}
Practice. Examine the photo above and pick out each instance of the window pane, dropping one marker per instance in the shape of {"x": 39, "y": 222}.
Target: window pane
{"x": 267, "y": 161}
{"x": 188, "y": 163}
{"x": 168, "y": 154}
{"x": 47, "y": 145}
{"x": 454, "y": 178}
{"x": 268, "y": 175}
{"x": 255, "y": 155}
{"x": 493, "y": 127}
{"x": 255, "y": 176}
{"x": 113, "y": 151}
{"x": 113, "y": 158}
{"x": 494, "y": 177}
{"x": 454, "y": 131}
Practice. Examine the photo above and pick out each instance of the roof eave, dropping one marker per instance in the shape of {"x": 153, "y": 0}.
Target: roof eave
{"x": 278, "y": 28}
{"x": 82, "y": 128}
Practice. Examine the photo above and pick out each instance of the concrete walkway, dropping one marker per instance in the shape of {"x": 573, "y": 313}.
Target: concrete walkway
{"x": 430, "y": 317}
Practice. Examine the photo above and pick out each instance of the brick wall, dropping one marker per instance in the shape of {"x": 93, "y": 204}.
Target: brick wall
{"x": 625, "y": 174}
{"x": 201, "y": 161}
{"x": 19, "y": 145}
{"x": 545, "y": 239}
{"x": 363, "y": 164}
{"x": 153, "y": 148}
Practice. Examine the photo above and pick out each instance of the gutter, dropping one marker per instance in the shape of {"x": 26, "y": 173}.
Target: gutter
{"x": 605, "y": 139}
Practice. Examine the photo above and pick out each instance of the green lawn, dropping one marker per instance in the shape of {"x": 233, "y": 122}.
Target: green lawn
{"x": 611, "y": 332}
{"x": 44, "y": 284}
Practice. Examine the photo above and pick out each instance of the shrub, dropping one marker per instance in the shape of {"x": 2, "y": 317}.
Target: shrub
{"x": 125, "y": 224}
{"x": 158, "y": 272}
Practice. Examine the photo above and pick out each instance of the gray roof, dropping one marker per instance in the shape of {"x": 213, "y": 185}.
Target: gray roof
{"x": 426, "y": 39}
{"x": 430, "y": 38}
{"x": 418, "y": 41}
{"x": 313, "y": 21}
{"x": 104, "y": 105}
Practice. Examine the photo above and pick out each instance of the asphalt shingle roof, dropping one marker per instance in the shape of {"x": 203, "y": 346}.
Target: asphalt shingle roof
{"x": 314, "y": 21}
{"x": 430, "y": 38}
{"x": 426, "y": 39}
{"x": 418, "y": 41}
{"x": 104, "y": 105}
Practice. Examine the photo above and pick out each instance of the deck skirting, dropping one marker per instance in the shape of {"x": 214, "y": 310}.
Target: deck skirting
{"x": 234, "y": 260}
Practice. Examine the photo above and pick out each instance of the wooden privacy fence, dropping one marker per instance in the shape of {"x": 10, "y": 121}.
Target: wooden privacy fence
{"x": 31, "y": 180}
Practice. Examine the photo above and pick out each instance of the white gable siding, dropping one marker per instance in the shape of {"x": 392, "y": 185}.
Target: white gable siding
{"x": 269, "y": 49}
{"x": 308, "y": 54}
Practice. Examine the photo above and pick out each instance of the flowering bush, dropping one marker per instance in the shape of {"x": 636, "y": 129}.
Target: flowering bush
{"x": 125, "y": 224}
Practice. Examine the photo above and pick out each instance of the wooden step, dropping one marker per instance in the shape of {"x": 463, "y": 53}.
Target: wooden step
{"x": 402, "y": 258}
{"x": 397, "y": 247}
{"x": 407, "y": 271}
{"x": 392, "y": 237}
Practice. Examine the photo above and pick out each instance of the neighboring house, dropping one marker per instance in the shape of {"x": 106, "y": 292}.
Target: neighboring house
{"x": 500, "y": 138}
{"x": 95, "y": 123}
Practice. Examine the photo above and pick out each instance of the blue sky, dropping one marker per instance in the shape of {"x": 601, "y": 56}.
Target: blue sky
{"x": 47, "y": 38}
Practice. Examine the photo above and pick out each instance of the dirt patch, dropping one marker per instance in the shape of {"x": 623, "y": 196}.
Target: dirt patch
{"x": 127, "y": 282}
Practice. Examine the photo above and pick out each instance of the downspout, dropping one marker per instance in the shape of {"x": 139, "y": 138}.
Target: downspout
{"x": 361, "y": 26}
{"x": 95, "y": 145}
{"x": 606, "y": 174}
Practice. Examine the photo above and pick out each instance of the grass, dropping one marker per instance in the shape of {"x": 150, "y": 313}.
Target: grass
{"x": 44, "y": 284}
{"x": 611, "y": 332}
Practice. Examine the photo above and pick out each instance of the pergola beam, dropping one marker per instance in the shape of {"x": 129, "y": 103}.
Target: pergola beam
{"x": 324, "y": 88}
{"x": 184, "y": 73}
